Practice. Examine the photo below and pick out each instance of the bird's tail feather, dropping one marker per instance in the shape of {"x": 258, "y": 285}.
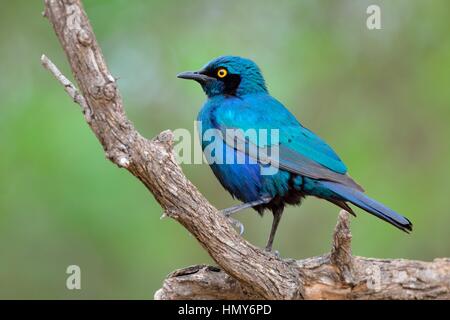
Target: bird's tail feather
{"x": 364, "y": 202}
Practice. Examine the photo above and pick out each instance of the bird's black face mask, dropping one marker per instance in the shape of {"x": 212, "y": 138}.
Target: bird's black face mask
{"x": 217, "y": 81}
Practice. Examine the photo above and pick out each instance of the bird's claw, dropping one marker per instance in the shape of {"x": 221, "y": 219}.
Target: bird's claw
{"x": 236, "y": 223}
{"x": 276, "y": 253}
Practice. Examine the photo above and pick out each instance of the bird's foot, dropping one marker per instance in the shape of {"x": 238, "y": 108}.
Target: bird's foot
{"x": 232, "y": 210}
{"x": 228, "y": 211}
{"x": 276, "y": 253}
{"x": 237, "y": 224}
{"x": 242, "y": 206}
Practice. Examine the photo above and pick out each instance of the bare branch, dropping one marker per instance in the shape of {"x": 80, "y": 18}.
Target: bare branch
{"x": 153, "y": 163}
{"x": 71, "y": 90}
{"x": 337, "y": 275}
{"x": 248, "y": 272}
{"x": 375, "y": 279}
{"x": 203, "y": 283}
{"x": 341, "y": 251}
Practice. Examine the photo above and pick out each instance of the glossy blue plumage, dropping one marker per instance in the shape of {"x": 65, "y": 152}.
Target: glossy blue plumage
{"x": 307, "y": 165}
{"x": 219, "y": 112}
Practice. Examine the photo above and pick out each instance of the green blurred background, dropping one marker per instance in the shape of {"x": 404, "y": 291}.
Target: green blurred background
{"x": 380, "y": 98}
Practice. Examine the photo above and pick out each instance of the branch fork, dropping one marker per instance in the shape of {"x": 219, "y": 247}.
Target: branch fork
{"x": 246, "y": 272}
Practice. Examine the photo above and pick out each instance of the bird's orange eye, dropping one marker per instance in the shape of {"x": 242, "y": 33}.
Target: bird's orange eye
{"x": 222, "y": 73}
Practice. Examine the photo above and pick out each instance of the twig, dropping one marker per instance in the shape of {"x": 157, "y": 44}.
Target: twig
{"x": 69, "y": 87}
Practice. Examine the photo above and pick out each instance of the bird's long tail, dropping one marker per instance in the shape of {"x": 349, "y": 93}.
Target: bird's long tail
{"x": 364, "y": 202}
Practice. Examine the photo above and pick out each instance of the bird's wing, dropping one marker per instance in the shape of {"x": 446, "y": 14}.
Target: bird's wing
{"x": 300, "y": 151}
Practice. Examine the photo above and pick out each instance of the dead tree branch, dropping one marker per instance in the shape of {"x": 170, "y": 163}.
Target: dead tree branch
{"x": 337, "y": 275}
{"x": 248, "y": 272}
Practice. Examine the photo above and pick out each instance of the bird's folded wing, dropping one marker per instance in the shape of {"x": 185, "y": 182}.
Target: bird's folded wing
{"x": 285, "y": 159}
{"x": 300, "y": 150}
{"x": 263, "y": 112}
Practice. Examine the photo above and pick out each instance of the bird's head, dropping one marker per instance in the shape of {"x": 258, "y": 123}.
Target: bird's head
{"x": 228, "y": 75}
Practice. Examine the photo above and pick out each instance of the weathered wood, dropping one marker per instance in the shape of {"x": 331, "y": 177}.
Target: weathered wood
{"x": 338, "y": 275}
{"x": 246, "y": 271}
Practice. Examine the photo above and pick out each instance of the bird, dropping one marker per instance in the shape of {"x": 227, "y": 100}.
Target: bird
{"x": 305, "y": 165}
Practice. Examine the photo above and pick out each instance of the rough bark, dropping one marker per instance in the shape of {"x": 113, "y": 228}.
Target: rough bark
{"x": 337, "y": 275}
{"x": 246, "y": 271}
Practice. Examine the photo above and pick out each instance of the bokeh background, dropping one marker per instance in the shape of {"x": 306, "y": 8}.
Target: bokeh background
{"x": 380, "y": 98}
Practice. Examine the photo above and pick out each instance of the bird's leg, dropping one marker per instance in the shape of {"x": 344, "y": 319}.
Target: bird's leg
{"x": 232, "y": 210}
{"x": 277, "y": 213}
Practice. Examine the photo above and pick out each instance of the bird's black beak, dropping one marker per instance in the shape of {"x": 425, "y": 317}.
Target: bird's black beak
{"x": 195, "y": 75}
